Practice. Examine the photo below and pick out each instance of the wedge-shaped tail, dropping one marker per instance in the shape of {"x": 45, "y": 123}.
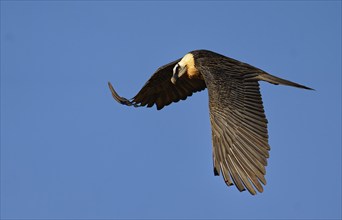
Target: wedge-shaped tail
{"x": 276, "y": 80}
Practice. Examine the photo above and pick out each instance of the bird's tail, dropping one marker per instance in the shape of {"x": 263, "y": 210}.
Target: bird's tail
{"x": 276, "y": 80}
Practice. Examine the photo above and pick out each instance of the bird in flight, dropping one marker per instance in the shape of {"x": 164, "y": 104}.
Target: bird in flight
{"x": 238, "y": 122}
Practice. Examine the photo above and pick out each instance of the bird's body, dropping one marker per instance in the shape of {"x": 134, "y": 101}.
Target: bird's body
{"x": 238, "y": 121}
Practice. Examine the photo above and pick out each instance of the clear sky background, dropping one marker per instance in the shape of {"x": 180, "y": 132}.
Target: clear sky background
{"x": 68, "y": 150}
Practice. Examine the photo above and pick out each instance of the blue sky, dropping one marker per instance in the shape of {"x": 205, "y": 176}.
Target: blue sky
{"x": 69, "y": 151}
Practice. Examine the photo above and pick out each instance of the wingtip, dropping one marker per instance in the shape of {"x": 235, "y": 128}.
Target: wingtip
{"x": 118, "y": 98}
{"x": 114, "y": 93}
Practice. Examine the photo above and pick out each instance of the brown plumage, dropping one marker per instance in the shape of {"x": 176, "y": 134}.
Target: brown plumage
{"x": 238, "y": 121}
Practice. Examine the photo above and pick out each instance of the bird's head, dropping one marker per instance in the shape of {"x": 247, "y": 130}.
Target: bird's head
{"x": 185, "y": 66}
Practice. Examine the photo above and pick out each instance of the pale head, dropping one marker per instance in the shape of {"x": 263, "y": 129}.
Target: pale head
{"x": 186, "y": 65}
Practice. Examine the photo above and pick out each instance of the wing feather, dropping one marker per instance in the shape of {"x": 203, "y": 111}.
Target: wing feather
{"x": 239, "y": 128}
{"x": 159, "y": 90}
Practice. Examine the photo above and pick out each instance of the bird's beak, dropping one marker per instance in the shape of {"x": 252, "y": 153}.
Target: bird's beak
{"x": 178, "y": 71}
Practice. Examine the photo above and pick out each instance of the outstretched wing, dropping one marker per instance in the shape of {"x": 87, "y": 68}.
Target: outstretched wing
{"x": 239, "y": 129}
{"x": 160, "y": 91}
